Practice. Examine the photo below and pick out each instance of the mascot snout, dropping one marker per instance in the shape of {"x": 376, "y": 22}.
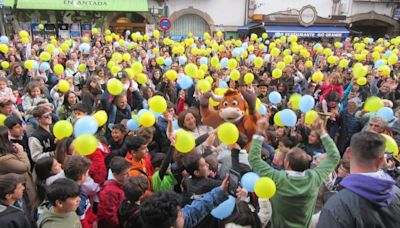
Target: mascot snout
{"x": 231, "y": 114}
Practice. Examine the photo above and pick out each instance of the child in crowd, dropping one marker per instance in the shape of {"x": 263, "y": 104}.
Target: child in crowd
{"x": 112, "y": 194}
{"x": 136, "y": 147}
{"x": 64, "y": 199}
{"x": 6, "y": 94}
{"x": 34, "y": 94}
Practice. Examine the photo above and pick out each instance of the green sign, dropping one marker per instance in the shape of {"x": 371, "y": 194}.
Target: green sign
{"x": 86, "y": 5}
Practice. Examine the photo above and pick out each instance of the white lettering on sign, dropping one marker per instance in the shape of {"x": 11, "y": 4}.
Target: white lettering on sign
{"x": 85, "y": 3}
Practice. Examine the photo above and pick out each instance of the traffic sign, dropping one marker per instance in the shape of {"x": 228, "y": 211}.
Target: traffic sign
{"x": 165, "y": 24}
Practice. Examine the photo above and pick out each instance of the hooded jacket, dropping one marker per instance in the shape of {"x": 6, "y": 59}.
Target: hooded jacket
{"x": 50, "y": 219}
{"x": 11, "y": 216}
{"x": 365, "y": 201}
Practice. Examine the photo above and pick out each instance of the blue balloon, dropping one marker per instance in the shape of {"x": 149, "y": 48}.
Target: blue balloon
{"x": 141, "y": 111}
{"x": 267, "y": 58}
{"x": 203, "y": 60}
{"x": 241, "y": 50}
{"x": 235, "y": 52}
{"x": 116, "y": 44}
{"x": 185, "y": 82}
{"x": 128, "y": 32}
{"x": 36, "y": 65}
{"x": 379, "y": 63}
{"x": 248, "y": 180}
{"x": 85, "y": 48}
{"x": 386, "y": 113}
{"x": 278, "y": 34}
{"x": 275, "y": 97}
{"x": 252, "y": 57}
{"x": 225, "y": 209}
{"x": 224, "y": 62}
{"x": 156, "y": 114}
{"x": 245, "y": 45}
{"x": 132, "y": 124}
{"x": 266, "y": 42}
{"x": 288, "y": 118}
{"x": 388, "y": 53}
{"x": 85, "y": 125}
{"x": 182, "y": 60}
{"x": 138, "y": 33}
{"x": 223, "y": 84}
{"x": 56, "y": 52}
{"x": 260, "y": 39}
{"x": 44, "y": 66}
{"x": 4, "y": 39}
{"x": 168, "y": 61}
{"x": 265, "y": 49}
{"x": 307, "y": 103}
{"x": 262, "y": 110}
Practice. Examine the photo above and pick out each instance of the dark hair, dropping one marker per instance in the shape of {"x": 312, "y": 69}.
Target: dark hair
{"x": 32, "y": 85}
{"x": 62, "y": 189}
{"x": 119, "y": 164}
{"x": 6, "y": 146}
{"x": 119, "y": 127}
{"x": 43, "y": 171}
{"x": 287, "y": 142}
{"x": 333, "y": 96}
{"x": 62, "y": 149}
{"x": 66, "y": 95}
{"x": 367, "y": 147}
{"x": 76, "y": 166}
{"x": 8, "y": 183}
{"x": 160, "y": 210}
{"x": 134, "y": 187}
{"x": 298, "y": 160}
{"x": 133, "y": 143}
{"x": 12, "y": 121}
{"x": 146, "y": 132}
{"x": 39, "y": 111}
{"x": 244, "y": 216}
{"x": 80, "y": 107}
{"x": 182, "y": 115}
{"x": 191, "y": 162}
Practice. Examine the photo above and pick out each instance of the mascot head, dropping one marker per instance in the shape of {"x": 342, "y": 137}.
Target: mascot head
{"x": 232, "y": 107}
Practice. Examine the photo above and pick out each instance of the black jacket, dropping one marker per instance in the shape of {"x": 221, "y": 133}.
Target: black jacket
{"x": 13, "y": 217}
{"x": 347, "y": 209}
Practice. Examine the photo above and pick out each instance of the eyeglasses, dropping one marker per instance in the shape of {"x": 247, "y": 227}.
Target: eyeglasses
{"x": 46, "y": 116}
{"x": 374, "y": 125}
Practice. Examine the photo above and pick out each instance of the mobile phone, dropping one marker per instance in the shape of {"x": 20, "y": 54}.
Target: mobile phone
{"x": 234, "y": 179}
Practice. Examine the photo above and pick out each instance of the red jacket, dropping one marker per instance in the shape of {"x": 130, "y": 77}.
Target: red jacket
{"x": 111, "y": 197}
{"x": 327, "y": 88}
{"x": 98, "y": 170}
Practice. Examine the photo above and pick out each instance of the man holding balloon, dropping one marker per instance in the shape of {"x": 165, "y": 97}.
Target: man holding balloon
{"x": 297, "y": 186}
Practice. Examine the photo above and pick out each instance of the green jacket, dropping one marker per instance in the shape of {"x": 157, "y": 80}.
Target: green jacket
{"x": 296, "y": 192}
{"x": 49, "y": 219}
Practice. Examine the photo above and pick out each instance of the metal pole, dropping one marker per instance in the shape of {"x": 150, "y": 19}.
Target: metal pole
{"x": 2, "y": 30}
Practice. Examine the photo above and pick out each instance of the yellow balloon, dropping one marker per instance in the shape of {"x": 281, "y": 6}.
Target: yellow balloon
{"x": 23, "y": 34}
{"x": 94, "y": 31}
{"x": 219, "y": 33}
{"x": 158, "y": 104}
{"x": 45, "y": 56}
{"x": 2, "y": 119}
{"x": 277, "y": 119}
{"x": 40, "y": 26}
{"x": 50, "y": 48}
{"x": 156, "y": 34}
{"x": 373, "y": 104}
{"x": 277, "y": 73}
{"x": 63, "y": 86}
{"x": 115, "y": 69}
{"x": 280, "y": 65}
{"x": 147, "y": 119}
{"x": 191, "y": 69}
{"x": 343, "y": 63}
{"x": 101, "y": 117}
{"x": 317, "y": 77}
{"x": 361, "y": 81}
{"x": 184, "y": 141}
{"x": 126, "y": 57}
{"x": 137, "y": 67}
{"x": 393, "y": 59}
{"x": 29, "y": 64}
{"x": 234, "y": 75}
{"x": 4, "y": 48}
{"x": 5, "y": 65}
{"x": 200, "y": 74}
{"x": 248, "y": 78}
{"x": 62, "y": 129}
{"x": 85, "y": 144}
{"x": 115, "y": 87}
{"x": 214, "y": 61}
{"x": 160, "y": 60}
{"x": 310, "y": 117}
{"x": 258, "y": 62}
{"x": 204, "y": 67}
{"x": 275, "y": 52}
{"x": 129, "y": 72}
{"x": 385, "y": 70}
{"x": 232, "y": 64}
{"x": 58, "y": 69}
{"x": 171, "y": 75}
{"x": 295, "y": 101}
{"x": 228, "y": 133}
{"x": 82, "y": 67}
{"x": 308, "y": 63}
{"x": 391, "y": 145}
{"x": 203, "y": 85}
{"x": 108, "y": 39}
{"x": 265, "y": 188}
{"x": 288, "y": 59}
{"x": 141, "y": 78}
{"x": 210, "y": 79}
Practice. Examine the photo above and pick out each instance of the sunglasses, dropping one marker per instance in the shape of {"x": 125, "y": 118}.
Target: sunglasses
{"x": 46, "y": 116}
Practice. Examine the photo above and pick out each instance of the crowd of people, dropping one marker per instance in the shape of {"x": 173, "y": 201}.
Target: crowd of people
{"x": 326, "y": 131}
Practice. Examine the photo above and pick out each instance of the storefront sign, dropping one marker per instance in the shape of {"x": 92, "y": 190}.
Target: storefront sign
{"x": 91, "y": 5}
{"x": 396, "y": 14}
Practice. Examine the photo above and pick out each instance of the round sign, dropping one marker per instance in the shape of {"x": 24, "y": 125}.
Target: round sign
{"x": 307, "y": 15}
{"x": 165, "y": 24}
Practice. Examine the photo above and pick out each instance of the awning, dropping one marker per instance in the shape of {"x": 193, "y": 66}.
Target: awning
{"x": 312, "y": 31}
{"x": 248, "y": 26}
{"x": 85, "y": 5}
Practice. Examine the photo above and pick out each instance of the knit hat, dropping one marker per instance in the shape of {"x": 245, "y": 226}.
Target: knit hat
{"x": 12, "y": 121}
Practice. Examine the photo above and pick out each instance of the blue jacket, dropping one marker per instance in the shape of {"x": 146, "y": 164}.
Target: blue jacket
{"x": 200, "y": 208}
